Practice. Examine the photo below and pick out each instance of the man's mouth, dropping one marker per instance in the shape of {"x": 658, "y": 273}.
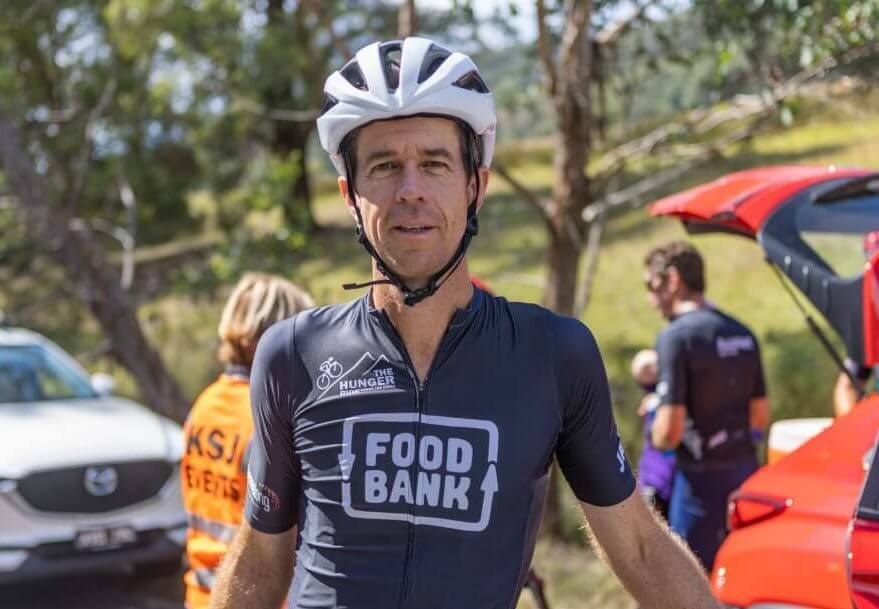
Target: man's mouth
{"x": 413, "y": 229}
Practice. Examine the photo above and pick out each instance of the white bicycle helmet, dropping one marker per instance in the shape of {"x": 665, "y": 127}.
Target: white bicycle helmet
{"x": 396, "y": 79}
{"x": 413, "y": 77}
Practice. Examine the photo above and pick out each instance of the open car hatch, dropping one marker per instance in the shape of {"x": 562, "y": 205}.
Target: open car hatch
{"x": 779, "y": 206}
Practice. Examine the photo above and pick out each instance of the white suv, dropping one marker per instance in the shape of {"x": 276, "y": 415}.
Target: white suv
{"x": 87, "y": 480}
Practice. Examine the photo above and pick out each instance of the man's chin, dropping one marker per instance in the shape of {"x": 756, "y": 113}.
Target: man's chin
{"x": 414, "y": 273}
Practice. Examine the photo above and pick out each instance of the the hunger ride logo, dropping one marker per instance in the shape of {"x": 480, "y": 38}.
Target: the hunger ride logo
{"x": 381, "y": 378}
{"x": 441, "y": 472}
{"x": 369, "y": 373}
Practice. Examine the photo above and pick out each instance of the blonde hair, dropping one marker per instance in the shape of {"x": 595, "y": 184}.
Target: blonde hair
{"x": 645, "y": 367}
{"x": 258, "y": 301}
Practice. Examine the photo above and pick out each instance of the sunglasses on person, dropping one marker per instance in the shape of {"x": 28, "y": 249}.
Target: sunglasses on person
{"x": 653, "y": 283}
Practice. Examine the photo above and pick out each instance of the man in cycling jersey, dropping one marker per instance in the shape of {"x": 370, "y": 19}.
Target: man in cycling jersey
{"x": 415, "y": 474}
{"x": 712, "y": 397}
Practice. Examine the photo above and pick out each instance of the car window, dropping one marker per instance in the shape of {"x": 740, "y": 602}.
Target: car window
{"x": 843, "y": 252}
{"x": 837, "y": 231}
{"x": 31, "y": 373}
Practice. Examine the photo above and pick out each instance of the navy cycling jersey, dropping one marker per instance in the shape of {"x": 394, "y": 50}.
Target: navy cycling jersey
{"x": 710, "y": 363}
{"x": 424, "y": 495}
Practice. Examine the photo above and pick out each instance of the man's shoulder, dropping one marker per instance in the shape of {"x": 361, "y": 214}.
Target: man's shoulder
{"x": 553, "y": 322}
{"x": 699, "y": 319}
{"x": 674, "y": 328}
{"x": 568, "y": 338}
{"x": 317, "y": 322}
{"x": 734, "y": 324}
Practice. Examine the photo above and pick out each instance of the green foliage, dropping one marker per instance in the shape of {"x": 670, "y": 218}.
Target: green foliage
{"x": 781, "y": 36}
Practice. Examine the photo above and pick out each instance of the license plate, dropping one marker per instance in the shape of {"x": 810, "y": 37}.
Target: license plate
{"x": 109, "y": 538}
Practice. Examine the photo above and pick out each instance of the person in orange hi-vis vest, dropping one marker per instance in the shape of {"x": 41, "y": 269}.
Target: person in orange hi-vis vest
{"x": 219, "y": 427}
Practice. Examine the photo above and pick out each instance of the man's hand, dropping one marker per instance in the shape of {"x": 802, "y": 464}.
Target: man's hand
{"x": 654, "y": 565}
{"x": 256, "y": 572}
{"x": 668, "y": 426}
{"x": 758, "y": 413}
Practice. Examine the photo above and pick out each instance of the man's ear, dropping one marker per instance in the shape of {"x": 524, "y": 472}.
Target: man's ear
{"x": 483, "y": 186}
{"x": 349, "y": 200}
{"x": 673, "y": 278}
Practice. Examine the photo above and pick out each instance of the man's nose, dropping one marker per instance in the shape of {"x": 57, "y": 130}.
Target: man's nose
{"x": 411, "y": 186}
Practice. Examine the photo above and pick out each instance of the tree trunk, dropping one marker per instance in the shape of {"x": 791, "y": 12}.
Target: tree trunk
{"x": 292, "y": 138}
{"x": 562, "y": 258}
{"x": 407, "y": 19}
{"x": 570, "y": 91}
{"x": 570, "y": 197}
{"x": 93, "y": 278}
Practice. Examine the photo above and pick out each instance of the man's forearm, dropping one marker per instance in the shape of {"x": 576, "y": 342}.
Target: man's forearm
{"x": 249, "y": 578}
{"x": 667, "y": 575}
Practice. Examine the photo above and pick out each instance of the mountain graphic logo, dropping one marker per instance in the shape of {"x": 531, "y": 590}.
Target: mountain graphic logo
{"x": 368, "y": 374}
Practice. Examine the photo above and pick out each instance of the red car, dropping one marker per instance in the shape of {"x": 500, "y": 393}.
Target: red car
{"x": 805, "y": 530}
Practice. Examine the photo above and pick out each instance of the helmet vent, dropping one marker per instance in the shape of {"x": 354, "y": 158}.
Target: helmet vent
{"x": 329, "y": 102}
{"x": 353, "y": 74}
{"x": 390, "y": 54}
{"x": 433, "y": 59}
{"x": 471, "y": 81}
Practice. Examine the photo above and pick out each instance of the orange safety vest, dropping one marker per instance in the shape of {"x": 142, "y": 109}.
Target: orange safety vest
{"x": 213, "y": 473}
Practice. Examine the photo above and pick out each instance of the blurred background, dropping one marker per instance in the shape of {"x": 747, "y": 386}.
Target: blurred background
{"x": 153, "y": 151}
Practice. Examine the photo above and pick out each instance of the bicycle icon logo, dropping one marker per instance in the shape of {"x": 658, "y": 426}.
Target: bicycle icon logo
{"x": 330, "y": 370}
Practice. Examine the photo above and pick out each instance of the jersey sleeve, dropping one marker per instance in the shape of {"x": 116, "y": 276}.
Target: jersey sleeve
{"x": 273, "y": 472}
{"x": 589, "y": 449}
{"x": 673, "y": 370}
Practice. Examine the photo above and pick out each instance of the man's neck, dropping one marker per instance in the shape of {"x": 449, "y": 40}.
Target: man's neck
{"x": 423, "y": 325}
{"x": 687, "y": 304}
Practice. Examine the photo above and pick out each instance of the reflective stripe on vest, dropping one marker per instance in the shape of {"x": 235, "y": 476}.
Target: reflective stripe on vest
{"x": 205, "y": 577}
{"x": 218, "y": 530}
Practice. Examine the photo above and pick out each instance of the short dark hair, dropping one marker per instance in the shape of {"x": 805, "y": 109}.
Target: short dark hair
{"x": 684, "y": 258}
{"x": 471, "y": 153}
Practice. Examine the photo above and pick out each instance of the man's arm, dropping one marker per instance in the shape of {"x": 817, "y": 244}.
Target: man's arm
{"x": 844, "y": 395}
{"x": 653, "y": 565}
{"x": 668, "y": 426}
{"x": 758, "y": 413}
{"x": 671, "y": 416}
{"x": 256, "y": 572}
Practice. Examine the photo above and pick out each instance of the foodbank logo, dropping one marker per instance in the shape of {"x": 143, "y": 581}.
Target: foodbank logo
{"x": 433, "y": 471}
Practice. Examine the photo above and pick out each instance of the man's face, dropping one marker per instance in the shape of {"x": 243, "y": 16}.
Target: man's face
{"x": 413, "y": 193}
{"x": 659, "y": 294}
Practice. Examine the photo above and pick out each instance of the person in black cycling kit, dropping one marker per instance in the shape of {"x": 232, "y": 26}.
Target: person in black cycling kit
{"x": 712, "y": 397}
{"x": 414, "y": 473}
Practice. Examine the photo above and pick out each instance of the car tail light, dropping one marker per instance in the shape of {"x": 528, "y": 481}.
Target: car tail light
{"x": 745, "y": 509}
{"x": 863, "y": 557}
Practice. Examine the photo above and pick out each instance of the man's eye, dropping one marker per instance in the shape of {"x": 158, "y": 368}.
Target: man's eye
{"x": 436, "y": 166}
{"x": 383, "y": 168}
